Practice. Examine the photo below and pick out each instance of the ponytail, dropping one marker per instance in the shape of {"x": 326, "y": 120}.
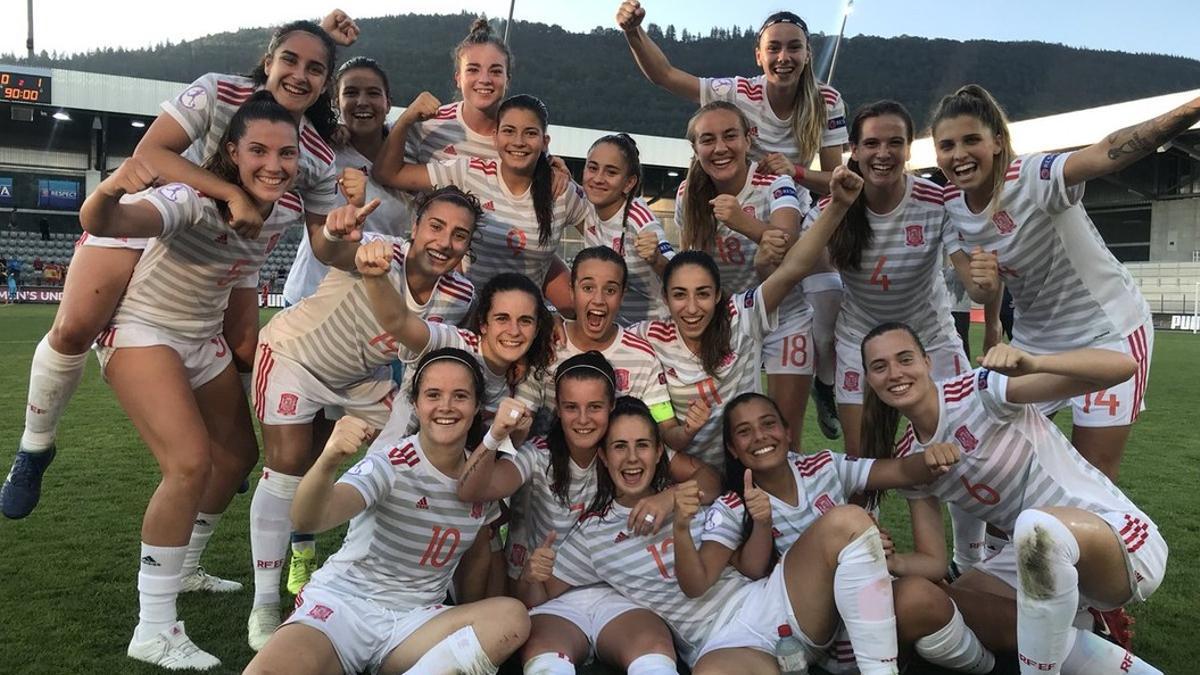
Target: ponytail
{"x": 628, "y": 148}
{"x": 975, "y": 101}
{"x": 542, "y": 188}
{"x": 699, "y": 227}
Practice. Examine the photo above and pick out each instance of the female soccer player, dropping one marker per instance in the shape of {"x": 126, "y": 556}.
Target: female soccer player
{"x": 164, "y": 355}
{"x": 732, "y": 626}
{"x": 796, "y": 119}
{"x": 525, "y": 220}
{"x": 297, "y": 373}
{"x": 376, "y": 604}
{"x": 621, "y": 219}
{"x": 362, "y": 97}
{"x": 711, "y": 349}
{"x": 508, "y": 332}
{"x": 560, "y": 473}
{"x": 1077, "y": 540}
{"x": 1068, "y": 290}
{"x": 295, "y": 69}
{"x": 723, "y": 208}
{"x": 777, "y": 497}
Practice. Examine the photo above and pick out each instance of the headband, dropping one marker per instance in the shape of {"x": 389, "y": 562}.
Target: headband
{"x": 577, "y": 366}
{"x": 784, "y": 17}
{"x": 443, "y": 357}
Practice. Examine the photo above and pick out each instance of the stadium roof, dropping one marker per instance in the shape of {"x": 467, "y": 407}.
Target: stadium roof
{"x": 116, "y": 94}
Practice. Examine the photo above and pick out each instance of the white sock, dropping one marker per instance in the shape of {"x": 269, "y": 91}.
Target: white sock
{"x": 993, "y": 544}
{"x": 270, "y": 527}
{"x": 969, "y": 534}
{"x": 158, "y": 586}
{"x": 1093, "y": 655}
{"x": 956, "y": 647}
{"x": 550, "y": 663}
{"x": 53, "y": 379}
{"x": 652, "y": 664}
{"x": 1047, "y": 591}
{"x": 304, "y": 545}
{"x": 826, "y": 304}
{"x": 202, "y": 531}
{"x": 459, "y": 654}
{"x": 247, "y": 383}
{"x": 862, "y": 591}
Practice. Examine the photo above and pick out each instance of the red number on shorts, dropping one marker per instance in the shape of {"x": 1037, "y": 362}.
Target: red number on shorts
{"x": 795, "y": 351}
{"x": 433, "y": 552}
{"x": 878, "y": 279}
{"x": 221, "y": 348}
{"x": 729, "y": 250}
{"x": 516, "y": 241}
{"x": 1099, "y": 400}
{"x": 658, "y": 554}
{"x": 981, "y": 491}
{"x": 235, "y": 271}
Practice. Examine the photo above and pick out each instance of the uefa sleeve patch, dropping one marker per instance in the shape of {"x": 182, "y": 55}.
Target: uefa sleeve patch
{"x": 836, "y": 123}
{"x": 748, "y": 302}
{"x": 785, "y": 191}
{"x": 1047, "y": 163}
{"x": 982, "y": 381}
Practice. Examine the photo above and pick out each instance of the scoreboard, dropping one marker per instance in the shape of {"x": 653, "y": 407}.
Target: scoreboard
{"x": 21, "y": 87}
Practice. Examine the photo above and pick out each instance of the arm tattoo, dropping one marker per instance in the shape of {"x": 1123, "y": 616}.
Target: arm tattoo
{"x": 1133, "y": 142}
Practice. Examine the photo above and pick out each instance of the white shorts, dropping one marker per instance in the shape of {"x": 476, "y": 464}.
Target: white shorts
{"x": 285, "y": 392}
{"x": 788, "y": 350}
{"x": 140, "y": 244}
{"x": 363, "y": 633}
{"x": 850, "y": 380}
{"x": 764, "y": 609}
{"x": 1116, "y": 406}
{"x": 1145, "y": 558}
{"x": 590, "y": 609}
{"x": 821, "y": 282}
{"x": 202, "y": 359}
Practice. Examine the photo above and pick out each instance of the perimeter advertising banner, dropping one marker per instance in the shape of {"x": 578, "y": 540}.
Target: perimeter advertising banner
{"x": 59, "y": 194}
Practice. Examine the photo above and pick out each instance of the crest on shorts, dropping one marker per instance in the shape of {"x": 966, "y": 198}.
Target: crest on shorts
{"x": 320, "y": 612}
{"x": 965, "y": 438}
{"x": 622, "y": 379}
{"x": 824, "y": 504}
{"x": 1004, "y": 222}
{"x": 748, "y": 210}
{"x": 850, "y": 381}
{"x": 914, "y": 235}
{"x": 477, "y": 510}
{"x": 287, "y": 404}
{"x": 517, "y": 557}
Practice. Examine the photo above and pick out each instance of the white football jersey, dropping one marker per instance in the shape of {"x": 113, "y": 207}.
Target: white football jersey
{"x": 635, "y": 365}
{"x": 204, "y": 110}
{"x": 772, "y": 134}
{"x": 1068, "y": 290}
{"x": 402, "y": 550}
{"x": 738, "y": 373}
{"x": 393, "y": 217}
{"x": 445, "y": 136}
{"x": 1012, "y": 457}
{"x": 643, "y": 289}
{"x": 182, "y": 281}
{"x": 334, "y": 333}
{"x": 506, "y": 239}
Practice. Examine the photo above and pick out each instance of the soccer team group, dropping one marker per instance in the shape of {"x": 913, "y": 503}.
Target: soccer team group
{"x": 569, "y": 464}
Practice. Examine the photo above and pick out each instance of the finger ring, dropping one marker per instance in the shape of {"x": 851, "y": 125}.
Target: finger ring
{"x": 649, "y": 518}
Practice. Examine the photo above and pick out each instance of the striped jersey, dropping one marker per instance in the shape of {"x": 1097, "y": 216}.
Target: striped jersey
{"x": 334, "y": 333}
{"x": 635, "y": 365}
{"x": 761, "y": 196}
{"x": 446, "y": 136}
{"x": 823, "y": 480}
{"x": 542, "y": 509}
{"x": 402, "y": 549}
{"x": 900, "y": 275}
{"x": 738, "y": 373}
{"x": 506, "y": 239}
{"x": 393, "y": 217}
{"x": 642, "y": 568}
{"x": 182, "y": 282}
{"x": 772, "y": 134}
{"x": 1068, "y": 290}
{"x": 643, "y": 289}
{"x": 204, "y": 110}
{"x": 1012, "y": 457}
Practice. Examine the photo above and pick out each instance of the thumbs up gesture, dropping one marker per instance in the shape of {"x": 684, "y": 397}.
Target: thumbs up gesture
{"x": 757, "y": 501}
{"x": 540, "y": 565}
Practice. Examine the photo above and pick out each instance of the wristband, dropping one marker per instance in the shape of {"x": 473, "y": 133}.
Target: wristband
{"x": 329, "y": 236}
{"x": 494, "y": 444}
{"x": 800, "y": 173}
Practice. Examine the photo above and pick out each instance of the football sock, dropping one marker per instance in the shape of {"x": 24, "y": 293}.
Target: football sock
{"x": 954, "y": 646}
{"x": 862, "y": 591}
{"x": 270, "y": 524}
{"x": 53, "y": 379}
{"x": 652, "y": 664}
{"x": 202, "y": 531}
{"x": 459, "y": 654}
{"x": 968, "y": 538}
{"x": 550, "y": 663}
{"x": 1093, "y": 655}
{"x": 158, "y": 586}
{"x": 1047, "y": 591}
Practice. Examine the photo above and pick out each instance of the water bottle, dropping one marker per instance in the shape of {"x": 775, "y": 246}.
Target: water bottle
{"x": 789, "y": 651}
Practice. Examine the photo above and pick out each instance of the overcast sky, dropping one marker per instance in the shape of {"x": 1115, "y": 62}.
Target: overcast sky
{"x": 1161, "y": 26}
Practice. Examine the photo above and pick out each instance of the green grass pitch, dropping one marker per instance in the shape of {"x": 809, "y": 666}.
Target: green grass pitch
{"x": 67, "y": 573}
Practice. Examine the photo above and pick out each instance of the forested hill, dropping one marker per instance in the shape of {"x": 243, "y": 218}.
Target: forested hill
{"x": 590, "y": 79}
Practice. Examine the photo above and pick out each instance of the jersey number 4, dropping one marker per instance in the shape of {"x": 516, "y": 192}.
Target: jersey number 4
{"x": 435, "y": 553}
{"x": 878, "y": 278}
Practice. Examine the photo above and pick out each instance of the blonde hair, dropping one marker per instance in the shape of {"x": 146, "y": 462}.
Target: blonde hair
{"x": 808, "y": 110}
{"x": 699, "y": 227}
{"x": 975, "y": 101}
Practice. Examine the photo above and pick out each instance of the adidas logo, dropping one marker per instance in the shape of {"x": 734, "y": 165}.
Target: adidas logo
{"x": 150, "y": 561}
{"x": 449, "y": 150}
{"x": 489, "y": 205}
{"x": 222, "y": 238}
{"x": 202, "y": 522}
{"x": 422, "y": 503}
{"x": 621, "y": 536}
